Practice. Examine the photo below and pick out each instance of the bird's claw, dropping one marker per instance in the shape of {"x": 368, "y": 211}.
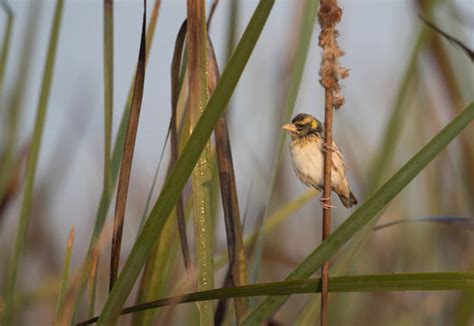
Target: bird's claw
{"x": 327, "y": 148}
{"x": 324, "y": 203}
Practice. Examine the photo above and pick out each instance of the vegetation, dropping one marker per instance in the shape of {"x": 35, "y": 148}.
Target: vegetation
{"x": 223, "y": 236}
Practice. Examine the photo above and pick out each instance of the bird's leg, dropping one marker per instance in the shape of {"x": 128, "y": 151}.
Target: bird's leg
{"x": 324, "y": 203}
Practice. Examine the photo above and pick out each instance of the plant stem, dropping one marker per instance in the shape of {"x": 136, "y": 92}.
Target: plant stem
{"x": 328, "y": 107}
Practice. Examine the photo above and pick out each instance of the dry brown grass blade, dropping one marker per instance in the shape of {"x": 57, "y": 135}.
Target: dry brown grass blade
{"x": 129, "y": 146}
{"x": 211, "y": 12}
{"x": 175, "y": 90}
{"x": 230, "y": 202}
{"x": 65, "y": 315}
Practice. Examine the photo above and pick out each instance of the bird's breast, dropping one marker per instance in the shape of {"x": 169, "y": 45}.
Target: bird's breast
{"x": 308, "y": 162}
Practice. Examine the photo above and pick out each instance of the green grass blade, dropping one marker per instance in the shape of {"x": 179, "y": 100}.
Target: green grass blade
{"x": 15, "y": 100}
{"x": 232, "y": 21}
{"x": 202, "y": 173}
{"x": 228, "y": 187}
{"x": 24, "y": 217}
{"x": 179, "y": 175}
{"x": 157, "y": 270}
{"x": 108, "y": 90}
{"x": 449, "y": 281}
{"x": 367, "y": 211}
{"x": 463, "y": 313}
{"x": 6, "y": 42}
{"x": 108, "y": 48}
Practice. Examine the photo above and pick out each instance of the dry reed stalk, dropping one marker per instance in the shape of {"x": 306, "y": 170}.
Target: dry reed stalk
{"x": 330, "y": 72}
{"x": 126, "y": 165}
{"x": 174, "y": 126}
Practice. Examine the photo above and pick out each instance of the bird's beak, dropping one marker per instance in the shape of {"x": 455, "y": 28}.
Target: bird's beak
{"x": 290, "y": 127}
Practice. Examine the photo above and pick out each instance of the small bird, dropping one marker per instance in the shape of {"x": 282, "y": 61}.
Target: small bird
{"x": 307, "y": 149}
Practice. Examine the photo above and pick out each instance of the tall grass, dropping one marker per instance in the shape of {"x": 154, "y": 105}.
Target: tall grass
{"x": 205, "y": 180}
{"x": 34, "y": 151}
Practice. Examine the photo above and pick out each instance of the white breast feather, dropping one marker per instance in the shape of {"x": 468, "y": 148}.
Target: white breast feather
{"x": 308, "y": 162}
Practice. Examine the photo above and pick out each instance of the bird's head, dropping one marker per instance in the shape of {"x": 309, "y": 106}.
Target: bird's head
{"x": 303, "y": 125}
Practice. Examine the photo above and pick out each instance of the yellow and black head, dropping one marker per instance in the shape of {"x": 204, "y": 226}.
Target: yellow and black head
{"x": 304, "y": 125}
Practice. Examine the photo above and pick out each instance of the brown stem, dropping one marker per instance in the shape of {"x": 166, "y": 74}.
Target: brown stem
{"x": 328, "y": 107}
{"x": 331, "y": 72}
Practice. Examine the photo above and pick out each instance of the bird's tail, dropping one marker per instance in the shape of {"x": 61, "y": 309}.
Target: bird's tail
{"x": 348, "y": 201}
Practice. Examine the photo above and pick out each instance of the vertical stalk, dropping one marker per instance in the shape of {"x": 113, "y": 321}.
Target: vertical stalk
{"x": 6, "y": 41}
{"x": 202, "y": 173}
{"x": 328, "y": 107}
{"x": 65, "y": 278}
{"x": 108, "y": 118}
{"x": 108, "y": 89}
{"x": 331, "y": 72}
{"x": 33, "y": 155}
{"x": 128, "y": 149}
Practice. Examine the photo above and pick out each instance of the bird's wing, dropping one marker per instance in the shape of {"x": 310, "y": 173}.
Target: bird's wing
{"x": 338, "y": 153}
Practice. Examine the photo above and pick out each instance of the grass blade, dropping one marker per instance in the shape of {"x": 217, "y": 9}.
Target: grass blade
{"x": 449, "y": 281}
{"x": 129, "y": 146}
{"x": 6, "y": 41}
{"x": 230, "y": 202}
{"x": 66, "y": 314}
{"x": 179, "y": 175}
{"x": 366, "y": 212}
{"x": 202, "y": 173}
{"x": 175, "y": 91}
{"x": 108, "y": 90}
{"x": 108, "y": 48}
{"x": 65, "y": 278}
{"x": 157, "y": 271}
{"x": 465, "y": 223}
{"x": 14, "y": 104}
{"x": 32, "y": 163}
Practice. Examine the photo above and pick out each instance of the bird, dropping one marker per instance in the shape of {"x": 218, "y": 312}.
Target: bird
{"x": 307, "y": 148}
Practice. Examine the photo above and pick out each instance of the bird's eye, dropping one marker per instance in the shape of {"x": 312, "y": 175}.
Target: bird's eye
{"x": 299, "y": 125}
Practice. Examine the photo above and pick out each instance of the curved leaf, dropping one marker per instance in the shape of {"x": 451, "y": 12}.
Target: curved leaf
{"x": 360, "y": 283}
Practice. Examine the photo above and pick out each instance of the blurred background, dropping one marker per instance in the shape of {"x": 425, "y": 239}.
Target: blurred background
{"x": 395, "y": 91}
